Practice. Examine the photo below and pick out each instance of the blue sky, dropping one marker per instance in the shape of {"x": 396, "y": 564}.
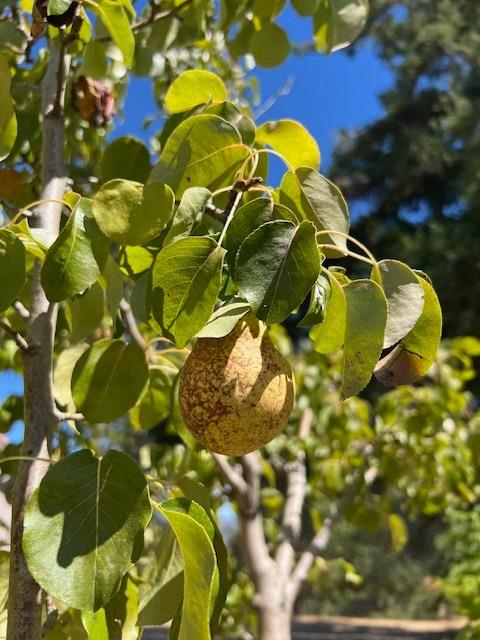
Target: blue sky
{"x": 328, "y": 93}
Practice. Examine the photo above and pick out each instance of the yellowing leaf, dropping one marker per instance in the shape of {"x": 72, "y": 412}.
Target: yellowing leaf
{"x": 194, "y": 87}
{"x": 414, "y": 356}
{"x": 291, "y": 140}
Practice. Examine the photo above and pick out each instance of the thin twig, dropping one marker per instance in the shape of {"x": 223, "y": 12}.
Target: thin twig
{"x": 16, "y": 336}
{"x": 21, "y": 309}
{"x": 230, "y": 475}
{"x": 62, "y": 416}
{"x": 131, "y": 324}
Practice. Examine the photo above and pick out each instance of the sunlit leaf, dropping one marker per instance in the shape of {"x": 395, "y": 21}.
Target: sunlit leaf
{"x": 192, "y": 87}
{"x": 364, "y": 335}
{"x": 84, "y": 527}
{"x": 291, "y": 140}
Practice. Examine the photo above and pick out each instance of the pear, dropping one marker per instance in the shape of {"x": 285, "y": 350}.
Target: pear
{"x": 236, "y": 393}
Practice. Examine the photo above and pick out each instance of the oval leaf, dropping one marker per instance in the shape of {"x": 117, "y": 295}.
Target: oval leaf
{"x": 365, "y": 330}
{"x": 337, "y": 23}
{"x": 404, "y": 295}
{"x": 128, "y": 213}
{"x": 269, "y": 45}
{"x": 8, "y": 119}
{"x": 224, "y": 320}
{"x": 316, "y": 199}
{"x": 414, "y": 356}
{"x": 329, "y": 336}
{"x": 12, "y": 268}
{"x": 186, "y": 281}
{"x": 189, "y": 210}
{"x": 108, "y": 380}
{"x": 83, "y": 526}
{"x": 203, "y": 151}
{"x": 125, "y": 158}
{"x": 71, "y": 265}
{"x": 275, "y": 268}
{"x": 193, "y": 87}
{"x": 292, "y": 141}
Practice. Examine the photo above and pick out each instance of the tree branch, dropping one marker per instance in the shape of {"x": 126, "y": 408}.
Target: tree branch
{"x": 321, "y": 539}
{"x": 292, "y": 512}
{"x": 231, "y": 476}
{"x": 15, "y": 335}
{"x": 131, "y": 324}
{"x": 24, "y": 606}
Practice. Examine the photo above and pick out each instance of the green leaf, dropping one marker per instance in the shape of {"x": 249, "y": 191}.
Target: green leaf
{"x": 87, "y": 312}
{"x": 224, "y": 320}
{"x": 276, "y": 266}
{"x": 84, "y": 527}
{"x": 414, "y": 356}
{"x": 246, "y": 219}
{"x": 12, "y": 268}
{"x": 338, "y": 22}
{"x": 116, "y": 20}
{"x": 112, "y": 282}
{"x": 398, "y": 532}
{"x": 269, "y": 45}
{"x": 128, "y": 213}
{"x": 109, "y": 379}
{"x": 404, "y": 295}
{"x": 194, "y": 533}
{"x": 229, "y": 112}
{"x": 305, "y": 7}
{"x": 118, "y": 619}
{"x": 95, "y": 64}
{"x": 164, "y": 600}
{"x": 267, "y": 9}
{"x": 365, "y": 331}
{"x": 316, "y": 199}
{"x": 154, "y": 406}
{"x": 186, "y": 281}
{"x": 70, "y": 266}
{"x": 319, "y": 297}
{"x": 193, "y": 87}
{"x": 62, "y": 375}
{"x": 329, "y": 336}
{"x": 8, "y": 119}
{"x": 200, "y": 494}
{"x": 291, "y": 140}
{"x": 189, "y": 210}
{"x": 126, "y": 158}
{"x": 203, "y": 151}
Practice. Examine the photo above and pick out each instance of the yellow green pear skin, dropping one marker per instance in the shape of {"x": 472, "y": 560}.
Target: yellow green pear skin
{"x": 236, "y": 393}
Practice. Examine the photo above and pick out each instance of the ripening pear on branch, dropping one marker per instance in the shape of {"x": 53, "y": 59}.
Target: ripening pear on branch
{"x": 236, "y": 392}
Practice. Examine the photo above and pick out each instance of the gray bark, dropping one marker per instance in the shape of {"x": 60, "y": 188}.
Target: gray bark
{"x": 25, "y": 596}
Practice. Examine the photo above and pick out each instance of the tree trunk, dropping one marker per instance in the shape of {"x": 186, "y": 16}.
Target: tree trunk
{"x": 274, "y": 624}
{"x": 274, "y": 613}
{"x": 25, "y": 597}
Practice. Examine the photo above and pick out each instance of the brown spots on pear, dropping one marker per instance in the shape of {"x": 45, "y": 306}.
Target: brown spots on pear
{"x": 236, "y": 392}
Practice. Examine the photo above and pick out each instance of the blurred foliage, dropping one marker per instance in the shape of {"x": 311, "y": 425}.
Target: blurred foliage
{"x": 415, "y": 169}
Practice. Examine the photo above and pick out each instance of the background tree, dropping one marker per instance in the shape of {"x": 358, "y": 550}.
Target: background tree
{"x": 415, "y": 170}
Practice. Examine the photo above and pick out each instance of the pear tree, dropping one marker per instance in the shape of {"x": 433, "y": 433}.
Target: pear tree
{"x": 116, "y": 264}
